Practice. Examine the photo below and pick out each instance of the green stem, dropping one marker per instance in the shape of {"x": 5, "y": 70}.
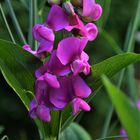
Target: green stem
{"x": 15, "y": 21}
{"x": 111, "y": 109}
{"x": 133, "y": 89}
{"x": 33, "y": 18}
{"x": 128, "y": 46}
{"x": 6, "y": 23}
{"x": 59, "y": 126}
{"x": 106, "y": 7}
{"x": 31, "y": 23}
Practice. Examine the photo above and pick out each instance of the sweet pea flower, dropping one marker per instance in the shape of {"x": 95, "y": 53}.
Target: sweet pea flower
{"x": 57, "y": 18}
{"x": 72, "y": 89}
{"x": 89, "y": 30}
{"x": 54, "y": 66}
{"x": 45, "y": 37}
{"x": 40, "y": 111}
{"x": 44, "y": 33}
{"x": 70, "y": 52}
{"x": 91, "y": 10}
{"x": 79, "y": 104}
{"x": 55, "y": 94}
{"x": 41, "y": 106}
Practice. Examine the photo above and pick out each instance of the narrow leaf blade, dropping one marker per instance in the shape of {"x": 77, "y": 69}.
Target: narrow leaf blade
{"x": 124, "y": 109}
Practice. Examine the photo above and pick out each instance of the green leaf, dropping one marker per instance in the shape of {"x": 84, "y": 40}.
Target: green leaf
{"x": 18, "y": 66}
{"x": 109, "y": 67}
{"x": 75, "y": 132}
{"x": 127, "y": 112}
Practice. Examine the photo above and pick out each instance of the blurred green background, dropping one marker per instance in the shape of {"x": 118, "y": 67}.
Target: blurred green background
{"x": 14, "y": 118}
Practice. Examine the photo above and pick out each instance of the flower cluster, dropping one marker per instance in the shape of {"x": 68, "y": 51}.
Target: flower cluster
{"x": 58, "y": 81}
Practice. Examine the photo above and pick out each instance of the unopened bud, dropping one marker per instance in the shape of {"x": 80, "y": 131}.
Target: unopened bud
{"x": 69, "y": 8}
{"x": 77, "y": 3}
{"x": 54, "y": 2}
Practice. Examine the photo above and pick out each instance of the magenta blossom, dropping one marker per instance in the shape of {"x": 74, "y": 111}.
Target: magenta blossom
{"x": 123, "y": 133}
{"x": 89, "y": 30}
{"x": 54, "y": 94}
{"x": 44, "y": 33}
{"x": 54, "y": 66}
{"x": 72, "y": 54}
{"x": 71, "y": 89}
{"x": 40, "y": 106}
{"x": 45, "y": 37}
{"x": 67, "y": 58}
{"x": 58, "y": 82}
{"x": 91, "y": 9}
{"x": 79, "y": 104}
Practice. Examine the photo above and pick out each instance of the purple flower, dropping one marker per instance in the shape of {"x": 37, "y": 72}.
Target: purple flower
{"x": 44, "y": 33}
{"x": 40, "y": 106}
{"x": 123, "y": 133}
{"x": 53, "y": 66}
{"x": 39, "y": 111}
{"x": 70, "y": 52}
{"x": 57, "y": 18}
{"x": 45, "y": 37}
{"x": 79, "y": 104}
{"x": 138, "y": 104}
{"x": 54, "y": 94}
{"x": 91, "y": 9}
{"x": 89, "y": 30}
{"x": 70, "y": 88}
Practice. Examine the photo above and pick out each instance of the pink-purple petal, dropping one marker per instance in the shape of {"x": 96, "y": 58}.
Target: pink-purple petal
{"x": 56, "y": 67}
{"x": 43, "y": 113}
{"x": 57, "y": 18}
{"x": 97, "y": 12}
{"x": 59, "y": 96}
{"x": 91, "y": 31}
{"x": 80, "y": 87}
{"x": 88, "y": 7}
{"x": 77, "y": 66}
{"x": 51, "y": 80}
{"x": 70, "y": 48}
{"x": 45, "y": 46}
{"x": 41, "y": 31}
{"x": 32, "y": 111}
{"x": 79, "y": 104}
{"x": 27, "y": 48}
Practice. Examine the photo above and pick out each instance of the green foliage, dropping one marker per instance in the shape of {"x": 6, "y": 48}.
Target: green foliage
{"x": 18, "y": 66}
{"x": 75, "y": 132}
{"x": 127, "y": 112}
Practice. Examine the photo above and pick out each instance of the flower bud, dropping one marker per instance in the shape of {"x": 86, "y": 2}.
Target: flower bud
{"x": 77, "y": 3}
{"x": 54, "y": 2}
{"x": 69, "y": 8}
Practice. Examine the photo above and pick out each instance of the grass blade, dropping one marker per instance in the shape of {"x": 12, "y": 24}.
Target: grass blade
{"x": 15, "y": 21}
{"x": 7, "y": 26}
{"x": 33, "y": 19}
